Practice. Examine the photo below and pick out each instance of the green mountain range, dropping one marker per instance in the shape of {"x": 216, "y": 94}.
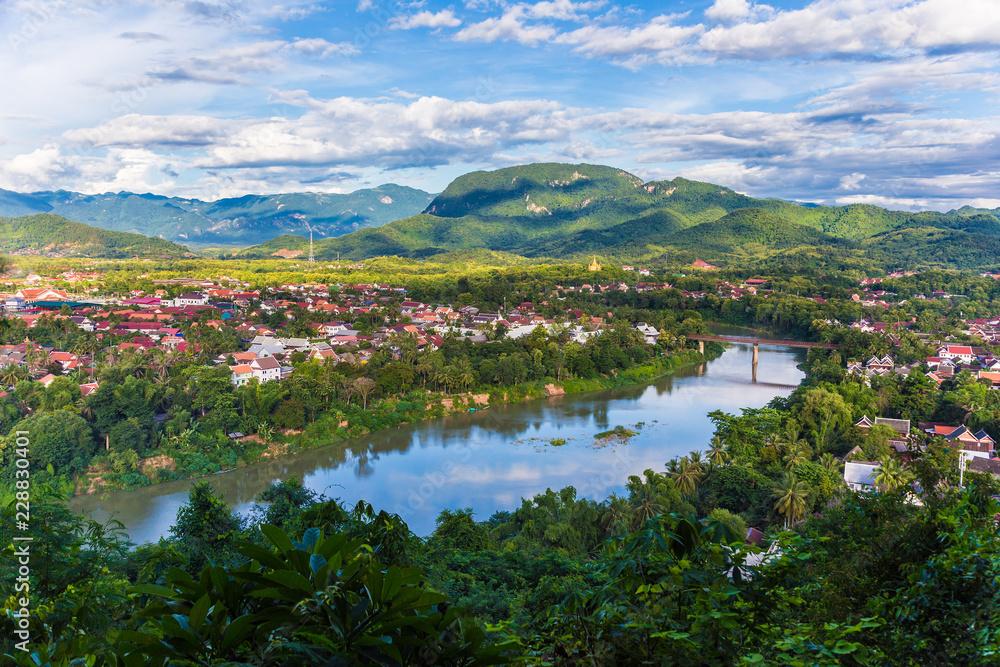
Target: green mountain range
{"x": 47, "y": 234}
{"x": 568, "y": 211}
{"x": 235, "y": 221}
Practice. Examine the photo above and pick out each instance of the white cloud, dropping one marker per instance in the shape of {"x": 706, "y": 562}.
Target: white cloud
{"x": 851, "y": 181}
{"x": 561, "y": 10}
{"x": 509, "y": 27}
{"x": 41, "y": 168}
{"x": 320, "y": 48}
{"x": 724, "y": 10}
{"x": 443, "y": 19}
{"x": 660, "y": 40}
{"x": 138, "y": 130}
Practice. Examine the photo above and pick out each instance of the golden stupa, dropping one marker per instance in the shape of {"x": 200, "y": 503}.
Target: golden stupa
{"x": 594, "y": 266}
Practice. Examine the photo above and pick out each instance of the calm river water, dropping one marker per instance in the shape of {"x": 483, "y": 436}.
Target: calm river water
{"x": 490, "y": 459}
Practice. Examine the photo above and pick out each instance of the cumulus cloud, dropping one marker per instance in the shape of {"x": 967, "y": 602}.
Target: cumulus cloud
{"x": 660, "y": 40}
{"x": 149, "y": 131}
{"x": 823, "y": 29}
{"x": 428, "y": 131}
{"x": 443, "y": 19}
{"x": 562, "y": 10}
{"x": 320, "y": 48}
{"x": 510, "y": 27}
{"x": 728, "y": 9}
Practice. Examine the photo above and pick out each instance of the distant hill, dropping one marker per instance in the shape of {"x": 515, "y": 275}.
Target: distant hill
{"x": 750, "y": 231}
{"x": 48, "y": 234}
{"x": 236, "y": 221}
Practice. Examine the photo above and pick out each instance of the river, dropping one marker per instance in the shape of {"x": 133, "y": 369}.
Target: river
{"x": 490, "y": 459}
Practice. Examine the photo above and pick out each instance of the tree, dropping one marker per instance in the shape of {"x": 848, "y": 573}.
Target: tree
{"x": 358, "y": 611}
{"x": 364, "y": 386}
{"x": 717, "y": 453}
{"x": 461, "y": 530}
{"x": 688, "y": 475}
{"x": 58, "y": 439}
{"x": 617, "y": 517}
{"x": 206, "y": 528}
{"x": 821, "y": 413}
{"x": 792, "y": 495}
{"x": 891, "y": 475}
{"x": 798, "y": 454}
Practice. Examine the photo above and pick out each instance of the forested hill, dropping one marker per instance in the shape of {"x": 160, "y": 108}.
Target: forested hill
{"x": 234, "y": 221}
{"x": 44, "y": 233}
{"x": 571, "y": 211}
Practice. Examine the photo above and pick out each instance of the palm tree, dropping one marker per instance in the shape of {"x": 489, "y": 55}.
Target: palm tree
{"x": 10, "y": 375}
{"x": 42, "y": 359}
{"x": 424, "y": 367}
{"x": 891, "y": 474}
{"x": 689, "y": 475}
{"x": 86, "y": 407}
{"x": 618, "y": 516}
{"x": 439, "y": 376}
{"x": 797, "y": 455}
{"x": 831, "y": 463}
{"x": 717, "y": 453}
{"x": 645, "y": 504}
{"x": 464, "y": 374}
{"x": 792, "y": 495}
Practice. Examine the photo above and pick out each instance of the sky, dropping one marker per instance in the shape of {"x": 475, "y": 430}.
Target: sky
{"x": 889, "y": 102}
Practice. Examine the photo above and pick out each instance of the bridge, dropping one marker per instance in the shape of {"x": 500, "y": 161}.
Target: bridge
{"x": 751, "y": 340}
{"x": 747, "y": 340}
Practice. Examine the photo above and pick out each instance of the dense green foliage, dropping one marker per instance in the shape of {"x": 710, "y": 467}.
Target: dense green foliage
{"x": 53, "y": 233}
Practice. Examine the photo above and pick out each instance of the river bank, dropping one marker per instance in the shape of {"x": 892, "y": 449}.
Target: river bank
{"x": 333, "y": 427}
{"x": 490, "y": 459}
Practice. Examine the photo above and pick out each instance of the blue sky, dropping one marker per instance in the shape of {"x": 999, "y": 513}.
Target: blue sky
{"x": 890, "y": 102}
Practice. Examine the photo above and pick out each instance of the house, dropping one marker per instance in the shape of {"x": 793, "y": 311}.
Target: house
{"x": 67, "y": 360}
{"x": 191, "y": 299}
{"x": 960, "y": 353}
{"x": 900, "y": 426}
{"x": 42, "y": 294}
{"x": 978, "y": 444}
{"x": 984, "y": 465}
{"x": 992, "y": 376}
{"x": 14, "y": 304}
{"x": 650, "y": 333}
{"x": 266, "y": 369}
{"x": 860, "y": 475}
{"x": 263, "y": 346}
{"x": 324, "y": 355}
{"x": 242, "y": 374}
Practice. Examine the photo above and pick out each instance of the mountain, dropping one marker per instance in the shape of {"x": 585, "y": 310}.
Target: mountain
{"x": 564, "y": 211}
{"x": 750, "y": 231}
{"x": 45, "y": 233}
{"x": 235, "y": 221}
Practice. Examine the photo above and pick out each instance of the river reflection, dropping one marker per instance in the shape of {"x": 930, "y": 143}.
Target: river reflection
{"x": 490, "y": 459}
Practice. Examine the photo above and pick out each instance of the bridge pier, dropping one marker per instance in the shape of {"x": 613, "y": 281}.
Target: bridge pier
{"x": 756, "y": 354}
{"x": 701, "y": 347}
